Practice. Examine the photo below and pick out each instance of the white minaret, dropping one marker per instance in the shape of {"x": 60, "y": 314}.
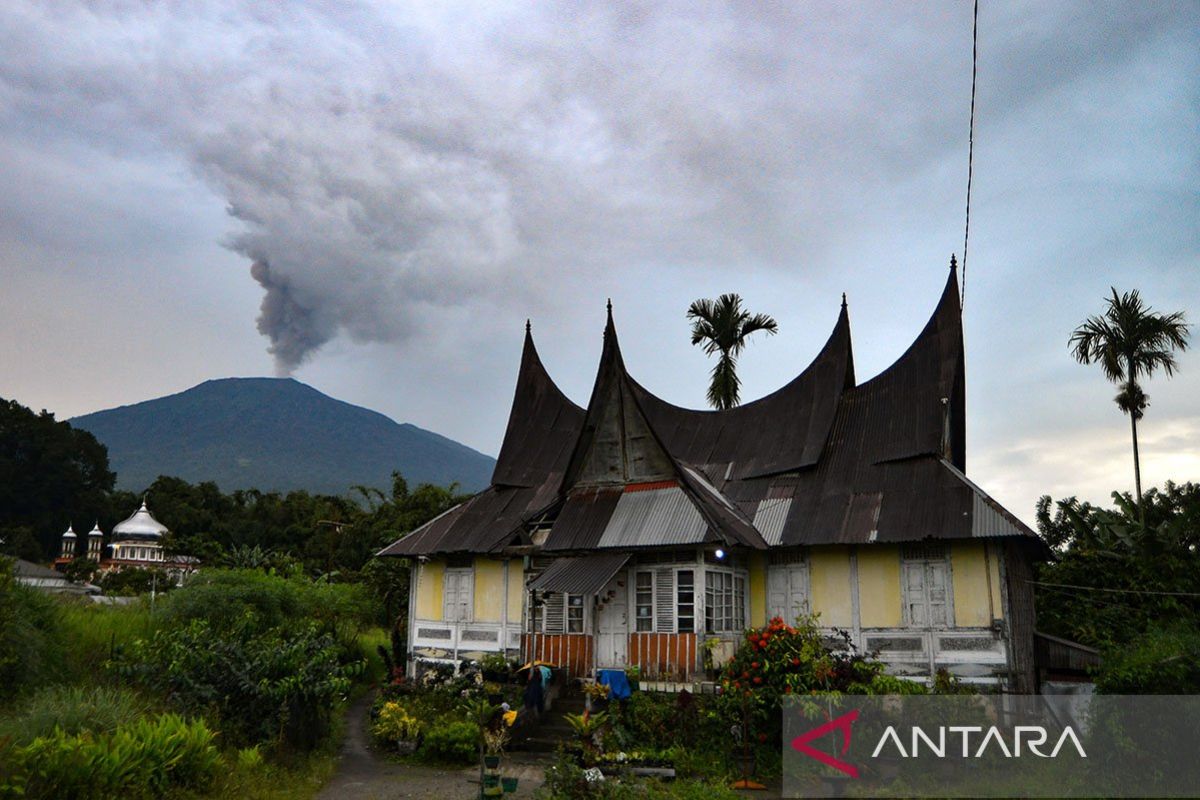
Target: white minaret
{"x": 95, "y": 547}
{"x": 68, "y": 542}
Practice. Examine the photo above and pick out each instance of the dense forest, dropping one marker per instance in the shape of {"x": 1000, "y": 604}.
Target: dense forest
{"x": 53, "y": 475}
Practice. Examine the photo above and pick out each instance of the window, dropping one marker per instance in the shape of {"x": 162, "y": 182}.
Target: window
{"x": 574, "y": 613}
{"x": 685, "y": 617}
{"x": 925, "y": 582}
{"x": 644, "y": 601}
{"x": 457, "y": 586}
{"x": 725, "y": 602}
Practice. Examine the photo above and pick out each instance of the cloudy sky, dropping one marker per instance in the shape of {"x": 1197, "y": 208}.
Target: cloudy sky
{"x": 374, "y": 197}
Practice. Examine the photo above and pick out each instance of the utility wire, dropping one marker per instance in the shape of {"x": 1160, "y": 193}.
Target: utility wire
{"x": 970, "y": 148}
{"x": 1119, "y": 591}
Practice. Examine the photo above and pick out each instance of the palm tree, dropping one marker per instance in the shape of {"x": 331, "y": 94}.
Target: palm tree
{"x": 723, "y": 325}
{"x": 1130, "y": 342}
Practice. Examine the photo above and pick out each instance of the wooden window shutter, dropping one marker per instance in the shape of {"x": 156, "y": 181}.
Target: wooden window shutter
{"x": 554, "y": 613}
{"x": 664, "y": 601}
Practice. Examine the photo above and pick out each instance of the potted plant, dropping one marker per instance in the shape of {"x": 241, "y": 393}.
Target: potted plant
{"x": 634, "y": 673}
{"x": 394, "y": 725}
{"x": 587, "y": 727}
{"x": 494, "y": 740}
{"x": 596, "y": 694}
{"x": 494, "y": 667}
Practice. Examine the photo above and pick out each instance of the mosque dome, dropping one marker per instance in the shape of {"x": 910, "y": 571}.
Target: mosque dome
{"x": 70, "y": 534}
{"x": 141, "y": 527}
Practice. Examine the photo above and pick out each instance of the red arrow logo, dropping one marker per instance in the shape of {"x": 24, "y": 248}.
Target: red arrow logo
{"x": 842, "y": 723}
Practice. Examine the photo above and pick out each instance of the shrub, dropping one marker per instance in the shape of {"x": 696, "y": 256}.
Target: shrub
{"x": 29, "y": 646}
{"x": 274, "y": 686}
{"x": 231, "y": 597}
{"x": 73, "y": 710}
{"x": 452, "y": 741}
{"x": 1160, "y": 661}
{"x": 394, "y": 724}
{"x": 141, "y": 760}
{"x": 781, "y": 660}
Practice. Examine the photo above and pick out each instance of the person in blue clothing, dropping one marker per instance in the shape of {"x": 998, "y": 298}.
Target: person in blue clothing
{"x": 535, "y": 691}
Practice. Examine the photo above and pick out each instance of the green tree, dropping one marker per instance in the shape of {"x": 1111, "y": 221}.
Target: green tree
{"x": 1120, "y": 571}
{"x": 51, "y": 475}
{"x": 1130, "y": 341}
{"x": 723, "y": 326}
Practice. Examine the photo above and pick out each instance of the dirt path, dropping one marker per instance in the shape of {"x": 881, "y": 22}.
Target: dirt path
{"x": 364, "y": 774}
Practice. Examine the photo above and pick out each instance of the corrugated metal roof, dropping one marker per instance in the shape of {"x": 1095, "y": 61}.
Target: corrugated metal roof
{"x": 770, "y": 516}
{"x": 879, "y": 462}
{"x": 543, "y": 426}
{"x": 783, "y": 431}
{"x": 582, "y": 519}
{"x": 580, "y": 575}
{"x": 655, "y": 517}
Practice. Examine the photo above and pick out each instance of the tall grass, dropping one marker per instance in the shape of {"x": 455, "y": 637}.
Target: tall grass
{"x": 73, "y": 710}
{"x": 368, "y": 642}
{"x": 92, "y": 634}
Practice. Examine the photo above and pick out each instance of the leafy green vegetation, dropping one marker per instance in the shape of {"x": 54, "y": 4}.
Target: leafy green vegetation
{"x": 1127, "y": 584}
{"x": 143, "y": 758}
{"x": 206, "y": 691}
{"x": 73, "y": 710}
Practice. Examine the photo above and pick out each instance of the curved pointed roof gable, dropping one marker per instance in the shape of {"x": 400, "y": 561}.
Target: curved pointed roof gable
{"x": 543, "y": 426}
{"x": 917, "y": 406}
{"x": 783, "y": 431}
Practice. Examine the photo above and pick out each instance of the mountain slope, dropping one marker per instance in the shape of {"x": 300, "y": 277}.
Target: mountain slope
{"x": 275, "y": 434}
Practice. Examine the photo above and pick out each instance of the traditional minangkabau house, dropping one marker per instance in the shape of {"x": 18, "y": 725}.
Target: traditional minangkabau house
{"x": 638, "y": 532}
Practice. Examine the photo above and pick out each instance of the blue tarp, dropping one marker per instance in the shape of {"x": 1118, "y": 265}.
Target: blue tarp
{"x": 617, "y": 682}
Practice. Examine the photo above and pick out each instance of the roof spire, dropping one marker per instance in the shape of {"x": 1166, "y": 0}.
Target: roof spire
{"x": 953, "y": 262}
{"x": 528, "y": 325}
{"x": 843, "y": 299}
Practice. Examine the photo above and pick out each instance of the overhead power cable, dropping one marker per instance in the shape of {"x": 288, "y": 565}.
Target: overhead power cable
{"x": 1118, "y": 591}
{"x": 970, "y": 147}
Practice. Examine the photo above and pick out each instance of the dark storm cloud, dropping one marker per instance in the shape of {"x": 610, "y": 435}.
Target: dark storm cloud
{"x": 387, "y": 163}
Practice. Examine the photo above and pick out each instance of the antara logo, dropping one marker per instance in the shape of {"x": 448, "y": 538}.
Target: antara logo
{"x": 842, "y": 723}
{"x": 1033, "y": 737}
{"x": 1030, "y": 737}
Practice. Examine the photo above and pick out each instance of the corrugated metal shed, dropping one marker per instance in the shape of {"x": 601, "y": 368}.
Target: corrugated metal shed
{"x": 579, "y": 575}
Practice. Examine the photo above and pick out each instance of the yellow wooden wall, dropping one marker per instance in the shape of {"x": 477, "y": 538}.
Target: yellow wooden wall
{"x": 757, "y": 588}
{"x": 879, "y": 601}
{"x": 429, "y": 590}
{"x": 489, "y": 590}
{"x": 829, "y": 585}
{"x": 974, "y": 605}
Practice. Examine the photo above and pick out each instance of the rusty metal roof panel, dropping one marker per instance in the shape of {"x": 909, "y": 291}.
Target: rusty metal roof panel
{"x": 579, "y": 575}
{"x": 481, "y": 524}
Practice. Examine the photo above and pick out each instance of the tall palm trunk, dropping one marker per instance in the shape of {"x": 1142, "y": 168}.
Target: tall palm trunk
{"x": 1137, "y": 467}
{"x": 1137, "y": 459}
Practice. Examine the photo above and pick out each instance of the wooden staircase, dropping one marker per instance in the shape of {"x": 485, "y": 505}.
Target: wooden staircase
{"x": 545, "y": 734}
